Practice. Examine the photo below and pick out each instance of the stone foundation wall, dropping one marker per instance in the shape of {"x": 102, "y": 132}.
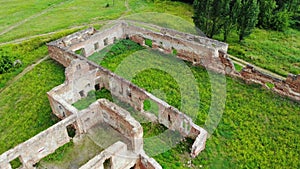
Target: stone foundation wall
{"x": 192, "y": 49}
{"x": 146, "y": 162}
{"x": 199, "y": 50}
{"x": 293, "y": 82}
{"x": 82, "y": 76}
{"x": 196, "y": 49}
{"x": 45, "y": 143}
{"x": 129, "y": 93}
{"x": 124, "y": 123}
{"x": 33, "y": 150}
{"x": 290, "y": 87}
{"x": 114, "y": 157}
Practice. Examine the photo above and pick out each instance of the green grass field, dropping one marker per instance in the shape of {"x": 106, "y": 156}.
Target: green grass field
{"x": 20, "y": 10}
{"x": 278, "y": 52}
{"x": 24, "y": 107}
{"x": 275, "y": 51}
{"x": 258, "y": 129}
{"x": 28, "y": 52}
{"x": 68, "y": 14}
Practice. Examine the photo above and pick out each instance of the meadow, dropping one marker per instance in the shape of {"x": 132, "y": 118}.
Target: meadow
{"x": 263, "y": 48}
{"x": 258, "y": 130}
{"x": 278, "y": 52}
{"x": 25, "y": 110}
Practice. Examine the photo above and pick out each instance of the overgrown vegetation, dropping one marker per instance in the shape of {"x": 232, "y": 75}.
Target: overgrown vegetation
{"x": 276, "y": 51}
{"x": 24, "y": 107}
{"x": 152, "y": 129}
{"x": 258, "y": 129}
{"x": 238, "y": 67}
{"x": 27, "y": 52}
{"x": 16, "y": 163}
{"x": 122, "y": 49}
{"x": 151, "y": 106}
{"x": 92, "y": 97}
{"x": 6, "y": 62}
{"x": 255, "y": 130}
{"x": 148, "y": 42}
{"x": 72, "y": 154}
{"x": 60, "y": 152}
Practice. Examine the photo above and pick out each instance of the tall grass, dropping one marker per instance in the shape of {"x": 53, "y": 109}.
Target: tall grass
{"x": 28, "y": 52}
{"x": 278, "y": 52}
{"x": 24, "y": 108}
{"x": 258, "y": 128}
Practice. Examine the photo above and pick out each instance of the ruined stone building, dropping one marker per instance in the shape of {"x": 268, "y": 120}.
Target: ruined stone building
{"x": 83, "y": 76}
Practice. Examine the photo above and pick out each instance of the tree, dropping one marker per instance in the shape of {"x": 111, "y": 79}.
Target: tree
{"x": 231, "y": 15}
{"x": 296, "y": 17}
{"x": 248, "y": 16}
{"x": 209, "y": 15}
{"x": 277, "y": 14}
{"x": 288, "y": 12}
{"x": 202, "y": 14}
{"x": 281, "y": 20}
{"x": 289, "y": 5}
{"x": 266, "y": 12}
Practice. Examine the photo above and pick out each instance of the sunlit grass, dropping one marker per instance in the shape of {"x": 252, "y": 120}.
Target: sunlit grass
{"x": 258, "y": 128}
{"x": 278, "y": 52}
{"x": 24, "y": 107}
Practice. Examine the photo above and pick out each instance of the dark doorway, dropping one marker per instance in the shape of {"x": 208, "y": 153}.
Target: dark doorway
{"x": 71, "y": 130}
{"x": 107, "y": 164}
{"x": 81, "y": 93}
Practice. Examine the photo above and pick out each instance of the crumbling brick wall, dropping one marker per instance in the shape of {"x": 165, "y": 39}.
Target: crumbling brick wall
{"x": 198, "y": 50}
{"x": 293, "y": 81}
{"x": 192, "y": 49}
{"x": 31, "y": 151}
{"x": 116, "y": 157}
{"x": 144, "y": 162}
{"x": 124, "y": 123}
{"x": 45, "y": 143}
{"x": 289, "y": 87}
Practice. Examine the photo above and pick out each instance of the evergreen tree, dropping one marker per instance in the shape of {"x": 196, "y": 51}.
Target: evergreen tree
{"x": 288, "y": 12}
{"x": 209, "y": 15}
{"x": 296, "y": 18}
{"x": 202, "y": 14}
{"x": 289, "y": 5}
{"x": 281, "y": 20}
{"x": 248, "y": 17}
{"x": 266, "y": 12}
{"x": 277, "y": 14}
{"x": 231, "y": 15}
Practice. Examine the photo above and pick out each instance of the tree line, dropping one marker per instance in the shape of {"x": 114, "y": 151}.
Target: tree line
{"x": 222, "y": 16}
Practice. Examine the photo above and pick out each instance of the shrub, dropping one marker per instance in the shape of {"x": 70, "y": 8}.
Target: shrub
{"x": 6, "y": 62}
